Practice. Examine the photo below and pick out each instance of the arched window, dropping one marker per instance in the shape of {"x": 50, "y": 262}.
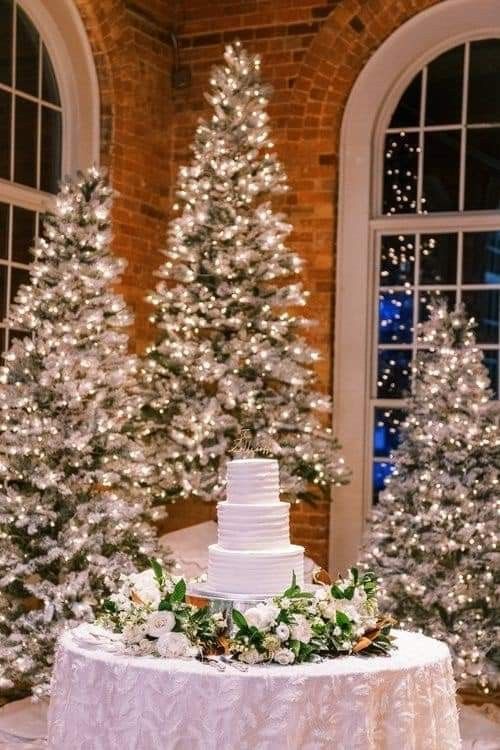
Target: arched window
{"x": 46, "y": 127}
{"x": 425, "y": 167}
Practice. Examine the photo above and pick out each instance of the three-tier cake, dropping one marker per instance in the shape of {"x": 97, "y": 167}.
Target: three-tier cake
{"x": 253, "y": 556}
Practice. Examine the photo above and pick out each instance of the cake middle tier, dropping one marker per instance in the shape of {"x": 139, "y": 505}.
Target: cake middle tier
{"x": 258, "y": 573}
{"x": 247, "y": 527}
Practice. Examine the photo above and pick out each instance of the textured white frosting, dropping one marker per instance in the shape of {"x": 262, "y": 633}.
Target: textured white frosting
{"x": 254, "y": 572}
{"x": 253, "y": 480}
{"x": 253, "y": 555}
{"x": 253, "y": 526}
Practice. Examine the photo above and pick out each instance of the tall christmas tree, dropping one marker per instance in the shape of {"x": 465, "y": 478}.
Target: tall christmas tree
{"x": 230, "y": 356}
{"x": 433, "y": 534}
{"x": 72, "y": 502}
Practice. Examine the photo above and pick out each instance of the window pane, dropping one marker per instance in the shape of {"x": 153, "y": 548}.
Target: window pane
{"x": 426, "y": 299}
{"x": 4, "y": 230}
{"x": 394, "y": 373}
{"x": 387, "y": 429}
{"x": 482, "y": 173}
{"x": 50, "y": 164}
{"x": 6, "y": 42}
{"x": 395, "y": 318}
{"x": 438, "y": 259}
{"x": 481, "y": 258}
{"x": 397, "y": 260}
{"x": 444, "y": 88}
{"x": 491, "y": 361}
{"x": 26, "y": 54}
{"x": 5, "y": 121}
{"x": 50, "y": 90}
{"x": 400, "y": 173}
{"x": 23, "y": 232}
{"x": 484, "y": 81}
{"x": 382, "y": 470}
{"x": 407, "y": 113}
{"x": 25, "y": 142}
{"x": 441, "y": 170}
{"x": 3, "y": 292}
{"x": 18, "y": 276}
{"x": 484, "y": 307}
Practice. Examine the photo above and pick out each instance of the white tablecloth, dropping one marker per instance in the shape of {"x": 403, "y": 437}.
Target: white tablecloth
{"x": 106, "y": 701}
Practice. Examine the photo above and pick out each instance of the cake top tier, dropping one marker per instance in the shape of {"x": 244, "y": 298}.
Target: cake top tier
{"x": 253, "y": 480}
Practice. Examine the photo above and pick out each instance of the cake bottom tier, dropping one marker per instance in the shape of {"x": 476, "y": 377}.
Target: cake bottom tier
{"x": 254, "y": 572}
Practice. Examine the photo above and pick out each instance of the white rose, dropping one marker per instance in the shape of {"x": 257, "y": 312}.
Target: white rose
{"x": 251, "y": 656}
{"x": 261, "y": 616}
{"x": 301, "y": 629}
{"x": 174, "y": 645}
{"x": 145, "y": 586}
{"x": 284, "y": 656}
{"x": 253, "y": 617}
{"x": 134, "y": 633}
{"x": 159, "y": 623}
{"x": 283, "y": 631}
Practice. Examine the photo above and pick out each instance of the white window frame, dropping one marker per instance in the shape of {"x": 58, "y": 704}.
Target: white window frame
{"x": 369, "y": 108}
{"x": 62, "y": 31}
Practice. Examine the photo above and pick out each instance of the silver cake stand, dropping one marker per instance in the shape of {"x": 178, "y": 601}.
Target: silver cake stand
{"x": 226, "y": 602}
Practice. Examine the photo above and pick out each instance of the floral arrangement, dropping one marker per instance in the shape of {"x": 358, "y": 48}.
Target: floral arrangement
{"x": 153, "y": 616}
{"x": 300, "y": 626}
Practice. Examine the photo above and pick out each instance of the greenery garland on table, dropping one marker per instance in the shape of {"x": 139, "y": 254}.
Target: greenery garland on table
{"x": 154, "y": 616}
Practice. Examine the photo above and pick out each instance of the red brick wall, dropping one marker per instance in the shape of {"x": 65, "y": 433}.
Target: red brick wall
{"x": 313, "y": 51}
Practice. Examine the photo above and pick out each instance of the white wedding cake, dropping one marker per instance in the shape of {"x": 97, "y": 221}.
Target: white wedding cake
{"x": 253, "y": 555}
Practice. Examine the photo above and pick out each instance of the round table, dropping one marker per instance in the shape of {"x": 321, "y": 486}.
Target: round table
{"x": 108, "y": 701}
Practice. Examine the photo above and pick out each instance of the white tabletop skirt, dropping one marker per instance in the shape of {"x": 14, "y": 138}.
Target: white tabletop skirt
{"x": 103, "y": 701}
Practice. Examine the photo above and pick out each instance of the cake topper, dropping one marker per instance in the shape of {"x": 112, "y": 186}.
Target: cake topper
{"x": 247, "y": 445}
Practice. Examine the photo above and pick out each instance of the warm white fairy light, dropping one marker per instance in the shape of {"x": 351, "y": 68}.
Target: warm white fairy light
{"x": 228, "y": 356}
{"x": 434, "y": 531}
{"x": 66, "y": 393}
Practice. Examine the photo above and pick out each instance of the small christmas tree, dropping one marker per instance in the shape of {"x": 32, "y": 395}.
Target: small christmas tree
{"x": 230, "y": 356}
{"x": 432, "y": 537}
{"x": 72, "y": 501}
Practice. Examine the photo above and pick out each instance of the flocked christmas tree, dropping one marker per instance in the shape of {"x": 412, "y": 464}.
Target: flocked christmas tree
{"x": 433, "y": 533}
{"x": 72, "y": 503}
{"x": 230, "y": 355}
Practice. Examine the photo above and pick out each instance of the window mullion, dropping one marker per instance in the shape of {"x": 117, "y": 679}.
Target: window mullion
{"x": 463, "y": 140}
{"x": 421, "y": 144}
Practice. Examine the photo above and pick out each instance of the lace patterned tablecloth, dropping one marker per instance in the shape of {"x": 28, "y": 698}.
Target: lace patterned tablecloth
{"x": 108, "y": 701}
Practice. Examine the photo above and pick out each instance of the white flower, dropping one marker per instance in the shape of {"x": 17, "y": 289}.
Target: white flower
{"x": 159, "y": 623}
{"x": 321, "y": 594}
{"x": 271, "y": 643}
{"x": 251, "y": 656}
{"x": 145, "y": 586}
{"x": 175, "y": 645}
{"x": 301, "y": 629}
{"x": 121, "y": 602}
{"x": 283, "y": 631}
{"x": 284, "y": 656}
{"x": 285, "y": 602}
{"x": 337, "y": 631}
{"x": 134, "y": 633}
{"x": 329, "y": 610}
{"x": 349, "y": 609}
{"x": 262, "y": 615}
